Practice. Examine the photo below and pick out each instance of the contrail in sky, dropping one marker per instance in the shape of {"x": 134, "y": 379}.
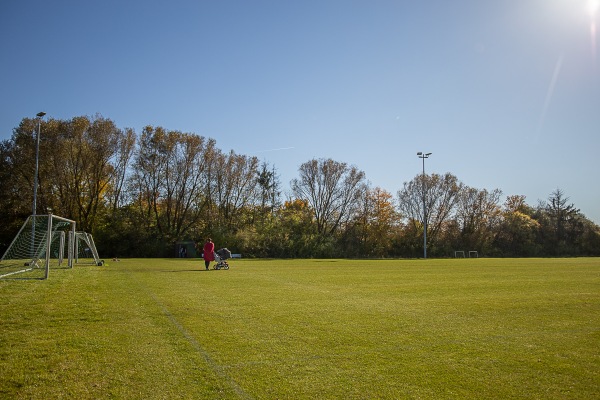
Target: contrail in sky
{"x": 549, "y": 94}
{"x": 281, "y": 148}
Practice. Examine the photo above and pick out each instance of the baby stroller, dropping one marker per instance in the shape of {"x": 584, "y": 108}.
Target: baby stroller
{"x": 221, "y": 257}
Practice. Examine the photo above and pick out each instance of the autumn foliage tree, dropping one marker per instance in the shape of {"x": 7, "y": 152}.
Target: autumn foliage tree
{"x": 433, "y": 197}
{"x": 141, "y": 195}
{"x": 332, "y": 190}
{"x": 168, "y": 184}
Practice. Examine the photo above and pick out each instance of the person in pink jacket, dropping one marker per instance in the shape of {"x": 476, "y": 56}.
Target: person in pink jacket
{"x": 209, "y": 252}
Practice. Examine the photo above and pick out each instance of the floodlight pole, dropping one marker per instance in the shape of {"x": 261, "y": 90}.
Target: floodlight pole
{"x": 423, "y": 156}
{"x": 40, "y": 115}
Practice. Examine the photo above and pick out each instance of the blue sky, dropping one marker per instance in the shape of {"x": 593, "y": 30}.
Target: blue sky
{"x": 504, "y": 93}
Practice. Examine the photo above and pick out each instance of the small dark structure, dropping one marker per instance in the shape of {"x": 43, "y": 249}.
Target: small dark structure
{"x": 185, "y": 249}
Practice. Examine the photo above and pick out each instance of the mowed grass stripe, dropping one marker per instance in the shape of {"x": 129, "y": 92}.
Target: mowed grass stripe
{"x": 313, "y": 329}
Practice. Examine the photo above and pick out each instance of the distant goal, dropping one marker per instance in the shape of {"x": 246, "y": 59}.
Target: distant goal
{"x": 461, "y": 254}
{"x": 43, "y": 242}
{"x": 85, "y": 249}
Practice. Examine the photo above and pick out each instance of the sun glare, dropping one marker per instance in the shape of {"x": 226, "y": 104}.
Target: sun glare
{"x": 593, "y": 6}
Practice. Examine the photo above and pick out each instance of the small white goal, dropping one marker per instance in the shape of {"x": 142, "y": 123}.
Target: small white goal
{"x": 85, "y": 249}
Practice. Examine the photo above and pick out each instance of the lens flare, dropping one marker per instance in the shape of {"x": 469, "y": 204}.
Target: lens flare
{"x": 593, "y": 7}
{"x": 593, "y": 35}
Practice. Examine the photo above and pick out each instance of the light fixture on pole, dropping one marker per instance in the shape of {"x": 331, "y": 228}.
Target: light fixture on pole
{"x": 40, "y": 115}
{"x": 424, "y": 156}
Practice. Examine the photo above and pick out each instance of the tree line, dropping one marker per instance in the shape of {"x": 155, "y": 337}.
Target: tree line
{"x": 141, "y": 194}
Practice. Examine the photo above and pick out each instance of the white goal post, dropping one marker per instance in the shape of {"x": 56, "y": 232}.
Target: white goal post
{"x": 44, "y": 241}
{"x": 85, "y": 249}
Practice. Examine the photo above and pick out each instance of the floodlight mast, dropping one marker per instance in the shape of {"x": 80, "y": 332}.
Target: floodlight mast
{"x": 40, "y": 115}
{"x": 423, "y": 156}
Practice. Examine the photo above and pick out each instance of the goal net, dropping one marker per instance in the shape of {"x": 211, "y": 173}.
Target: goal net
{"x": 43, "y": 242}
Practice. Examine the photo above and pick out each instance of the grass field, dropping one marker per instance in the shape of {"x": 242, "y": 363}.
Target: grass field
{"x": 305, "y": 329}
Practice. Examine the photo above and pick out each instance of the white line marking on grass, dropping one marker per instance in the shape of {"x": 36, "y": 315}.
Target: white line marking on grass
{"x": 219, "y": 370}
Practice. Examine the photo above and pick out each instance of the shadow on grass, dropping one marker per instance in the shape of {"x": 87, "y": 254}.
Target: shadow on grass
{"x": 21, "y": 278}
{"x": 194, "y": 270}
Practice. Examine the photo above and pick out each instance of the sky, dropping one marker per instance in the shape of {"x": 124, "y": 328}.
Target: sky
{"x": 505, "y": 94}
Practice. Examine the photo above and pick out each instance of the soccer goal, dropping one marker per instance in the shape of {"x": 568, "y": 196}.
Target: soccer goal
{"x": 43, "y": 242}
{"x": 85, "y": 249}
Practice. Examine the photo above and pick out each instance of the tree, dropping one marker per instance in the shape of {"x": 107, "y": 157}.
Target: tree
{"x": 331, "y": 189}
{"x": 167, "y": 181}
{"x": 121, "y": 163}
{"x": 139, "y": 195}
{"x": 441, "y": 196}
{"x": 590, "y": 238}
{"x": 477, "y": 215}
{"x": 74, "y": 165}
{"x": 269, "y": 187}
{"x": 518, "y": 230}
{"x": 14, "y": 202}
{"x": 81, "y": 153}
{"x": 372, "y": 231}
{"x": 288, "y": 232}
{"x": 561, "y": 224}
{"x": 235, "y": 189}
{"x": 18, "y": 156}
